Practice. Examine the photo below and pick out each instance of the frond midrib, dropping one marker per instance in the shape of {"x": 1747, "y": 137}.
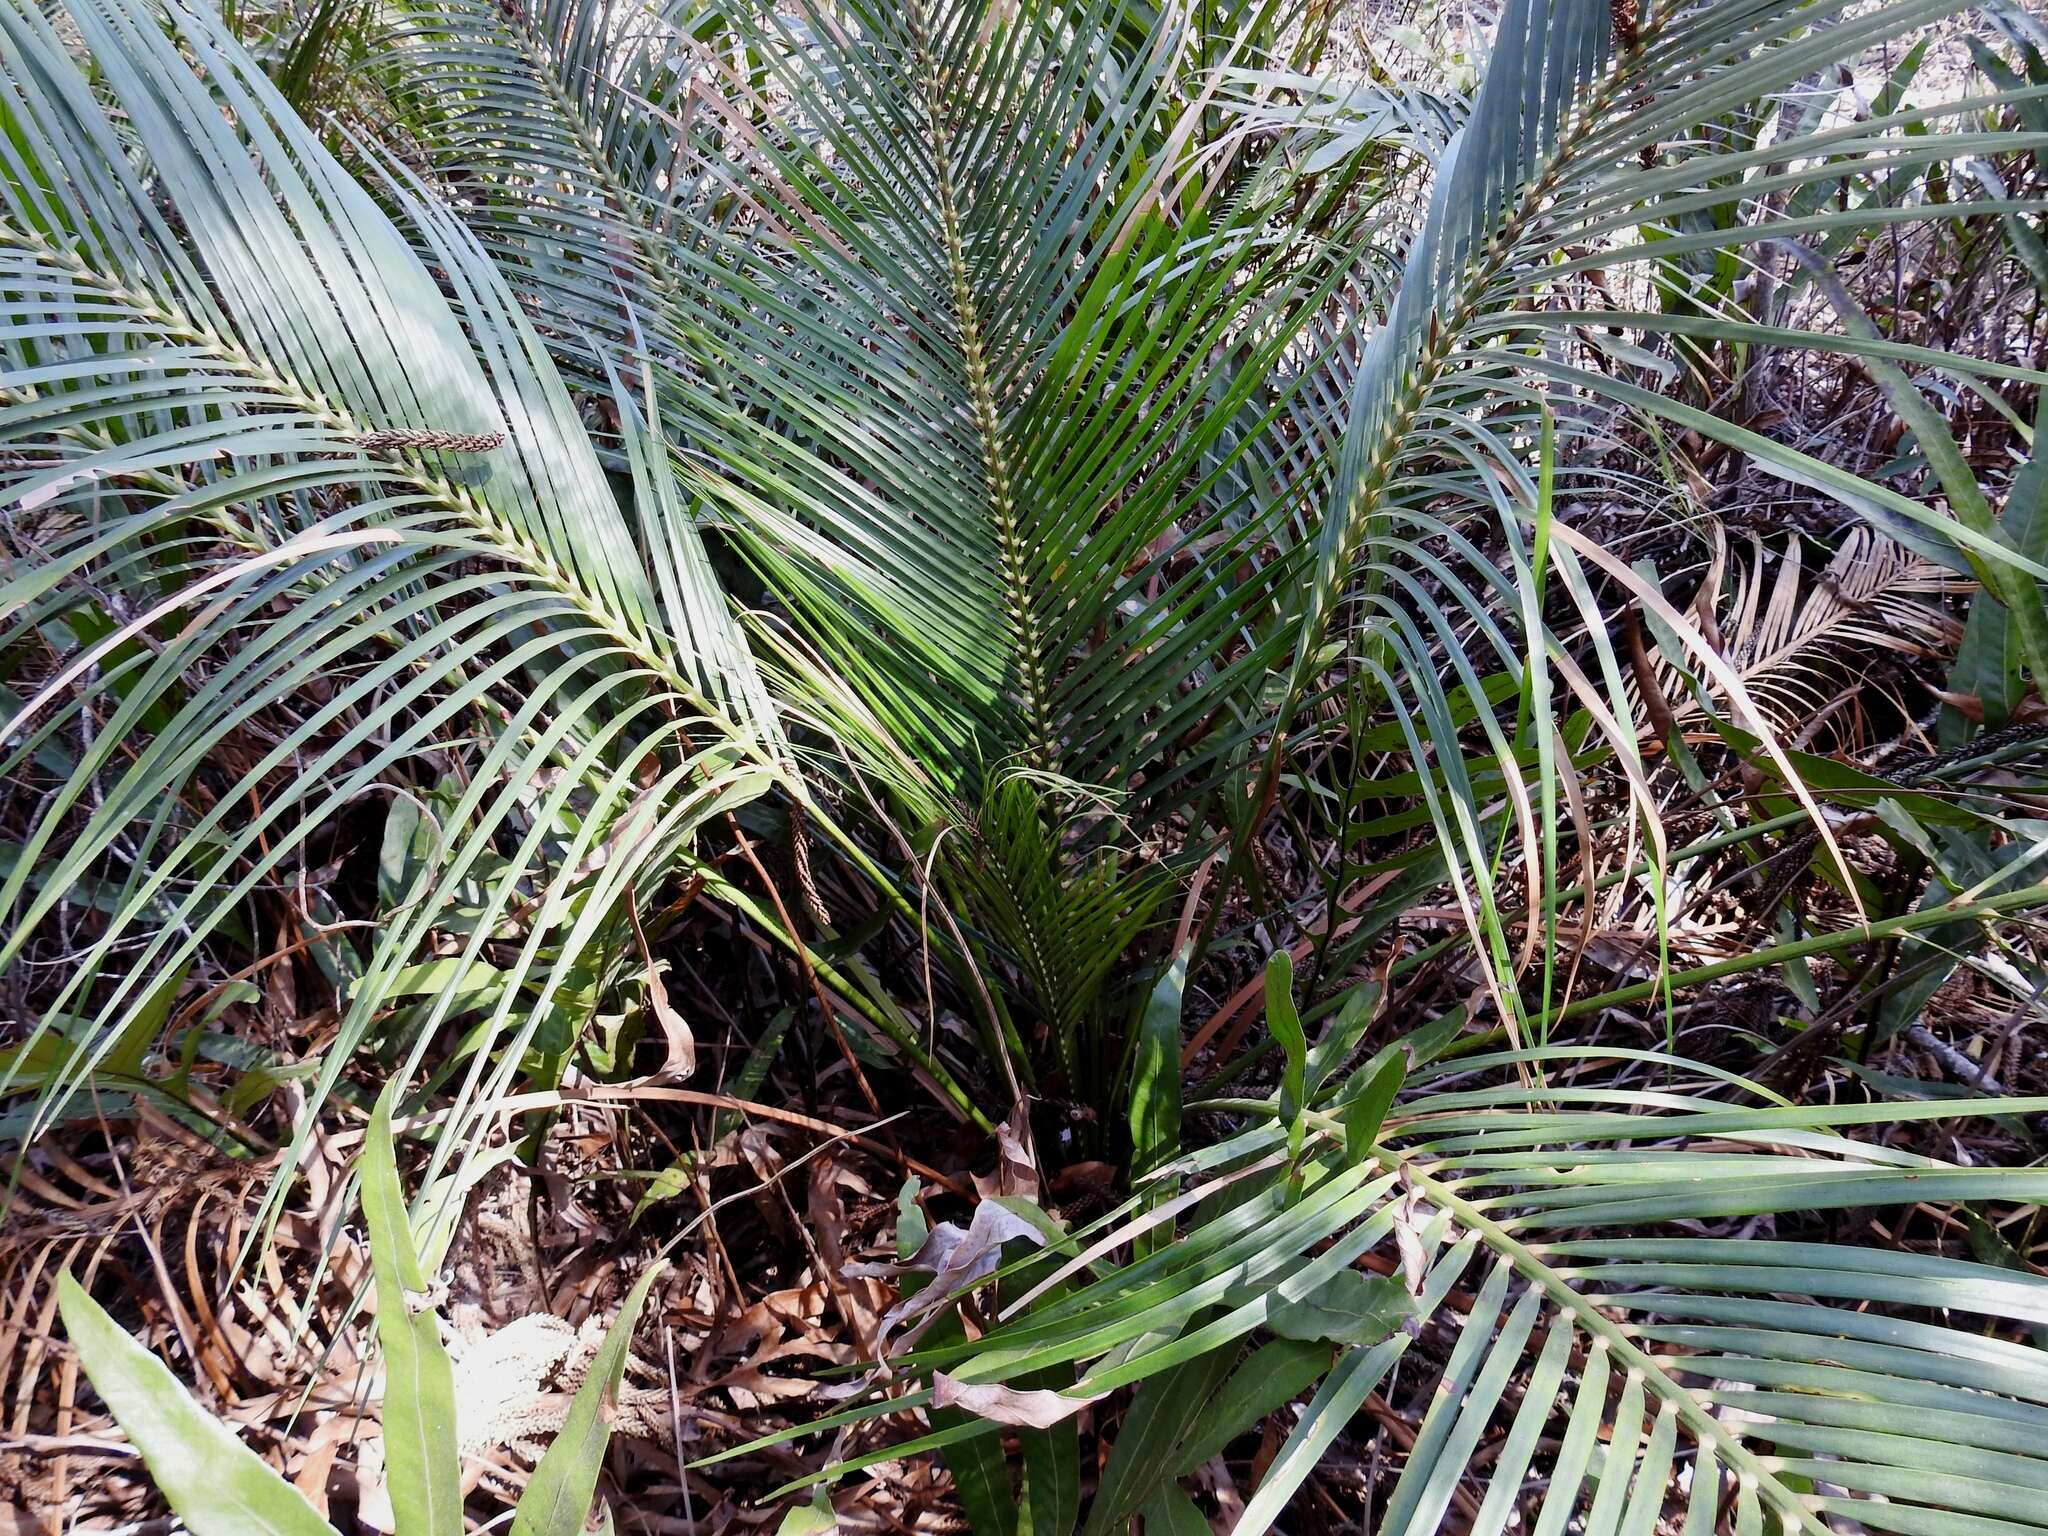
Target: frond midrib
{"x": 516, "y": 546}
{"x": 1446, "y": 327}
{"x": 1041, "y": 745}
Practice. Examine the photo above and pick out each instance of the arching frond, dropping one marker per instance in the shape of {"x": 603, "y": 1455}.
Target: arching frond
{"x": 295, "y": 524}
{"x": 1550, "y": 1289}
{"x": 1587, "y": 176}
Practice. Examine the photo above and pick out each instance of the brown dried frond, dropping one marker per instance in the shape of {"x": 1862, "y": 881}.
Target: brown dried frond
{"x": 1796, "y": 641}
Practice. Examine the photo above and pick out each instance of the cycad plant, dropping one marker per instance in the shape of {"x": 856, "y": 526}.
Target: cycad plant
{"x": 1534, "y": 1265}
{"x": 1042, "y": 427}
{"x": 1032, "y": 460}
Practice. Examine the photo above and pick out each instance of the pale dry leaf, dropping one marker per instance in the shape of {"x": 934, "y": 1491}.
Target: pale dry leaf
{"x": 1410, "y": 1214}
{"x": 681, "y": 1042}
{"x": 1029, "y": 1409}
{"x": 957, "y": 1259}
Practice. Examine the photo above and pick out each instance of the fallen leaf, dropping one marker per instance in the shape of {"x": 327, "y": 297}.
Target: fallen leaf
{"x": 1409, "y": 1216}
{"x": 1007, "y": 1405}
{"x": 957, "y": 1259}
{"x": 675, "y": 1030}
{"x": 681, "y": 1060}
{"x": 1016, "y": 1170}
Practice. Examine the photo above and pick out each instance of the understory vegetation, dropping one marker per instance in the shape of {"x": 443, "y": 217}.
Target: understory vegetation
{"x": 1023, "y": 766}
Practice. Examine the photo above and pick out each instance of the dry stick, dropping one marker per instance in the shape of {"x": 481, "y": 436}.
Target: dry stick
{"x": 675, "y": 1420}
{"x": 1971, "y": 1074}
{"x": 803, "y": 960}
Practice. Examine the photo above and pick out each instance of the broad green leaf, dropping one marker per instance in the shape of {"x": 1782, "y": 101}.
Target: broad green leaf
{"x": 216, "y": 1485}
{"x": 400, "y": 856}
{"x": 139, "y": 1034}
{"x": 558, "y": 1495}
{"x": 816, "y": 1518}
{"x": 1050, "y": 1493}
{"x": 49, "y": 1052}
{"x": 1353, "y": 1019}
{"x": 1169, "y": 1512}
{"x": 1049, "y": 1489}
{"x": 911, "y": 1227}
{"x": 419, "y": 1384}
{"x": 1164, "y": 1412}
{"x": 981, "y": 1476}
{"x": 1271, "y": 1376}
{"x": 1155, "y": 1074}
{"x": 1987, "y": 664}
{"x": 1348, "y": 1308}
{"x": 1363, "y": 1115}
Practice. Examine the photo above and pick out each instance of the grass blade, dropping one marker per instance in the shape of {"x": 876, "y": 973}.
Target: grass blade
{"x": 419, "y": 1384}
{"x": 557, "y": 1499}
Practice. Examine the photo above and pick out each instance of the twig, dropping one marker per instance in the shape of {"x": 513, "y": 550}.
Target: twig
{"x": 1973, "y": 1074}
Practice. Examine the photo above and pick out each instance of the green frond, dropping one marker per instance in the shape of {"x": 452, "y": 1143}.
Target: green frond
{"x": 1628, "y": 1370}
{"x": 271, "y": 458}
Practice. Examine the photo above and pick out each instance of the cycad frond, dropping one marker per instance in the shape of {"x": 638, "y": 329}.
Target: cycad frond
{"x": 1629, "y": 1369}
{"x": 267, "y": 452}
{"x": 559, "y": 132}
{"x": 1796, "y": 643}
{"x": 1011, "y": 385}
{"x": 1068, "y": 917}
{"x": 1587, "y": 156}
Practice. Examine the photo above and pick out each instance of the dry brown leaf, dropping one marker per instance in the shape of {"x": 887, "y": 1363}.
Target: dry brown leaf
{"x": 681, "y": 1058}
{"x": 1007, "y": 1405}
{"x": 2032, "y": 710}
{"x": 1016, "y": 1171}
